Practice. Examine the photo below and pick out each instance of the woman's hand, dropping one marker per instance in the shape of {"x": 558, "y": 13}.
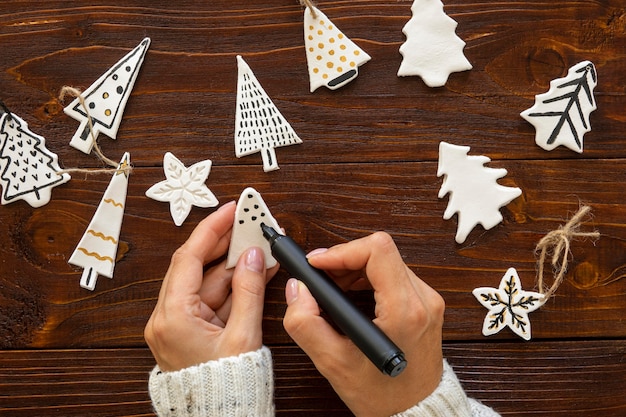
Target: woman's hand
{"x": 204, "y": 314}
{"x": 407, "y": 310}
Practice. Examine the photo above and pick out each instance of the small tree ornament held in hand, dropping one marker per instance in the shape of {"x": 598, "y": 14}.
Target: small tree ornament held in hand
{"x": 251, "y": 211}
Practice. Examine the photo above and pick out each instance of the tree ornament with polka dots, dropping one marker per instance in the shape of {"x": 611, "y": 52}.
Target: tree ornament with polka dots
{"x": 105, "y": 100}
{"x": 333, "y": 59}
{"x": 251, "y": 211}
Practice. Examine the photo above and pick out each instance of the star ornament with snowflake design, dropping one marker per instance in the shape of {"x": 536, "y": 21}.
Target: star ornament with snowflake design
{"x": 508, "y": 305}
{"x": 183, "y": 188}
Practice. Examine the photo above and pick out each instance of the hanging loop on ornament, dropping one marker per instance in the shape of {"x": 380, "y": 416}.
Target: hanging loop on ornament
{"x": 311, "y": 6}
{"x": 557, "y": 245}
{"x": 74, "y": 92}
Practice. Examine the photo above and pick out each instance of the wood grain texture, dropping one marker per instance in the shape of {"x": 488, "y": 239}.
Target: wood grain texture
{"x": 584, "y": 378}
{"x": 339, "y": 204}
{"x": 368, "y": 162}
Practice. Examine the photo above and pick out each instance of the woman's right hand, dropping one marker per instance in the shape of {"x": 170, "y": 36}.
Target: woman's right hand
{"x": 408, "y": 310}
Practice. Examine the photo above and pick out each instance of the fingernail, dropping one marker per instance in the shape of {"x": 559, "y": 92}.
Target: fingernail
{"x": 255, "y": 261}
{"x": 315, "y": 252}
{"x": 291, "y": 290}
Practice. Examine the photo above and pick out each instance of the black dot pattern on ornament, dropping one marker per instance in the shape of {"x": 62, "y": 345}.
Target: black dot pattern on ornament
{"x": 254, "y": 211}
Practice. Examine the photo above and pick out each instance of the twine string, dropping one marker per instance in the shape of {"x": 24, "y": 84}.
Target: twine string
{"x": 311, "y": 6}
{"x": 74, "y": 92}
{"x": 557, "y": 244}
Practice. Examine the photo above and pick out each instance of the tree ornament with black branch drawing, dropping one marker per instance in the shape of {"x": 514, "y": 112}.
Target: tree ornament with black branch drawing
{"x": 561, "y": 116}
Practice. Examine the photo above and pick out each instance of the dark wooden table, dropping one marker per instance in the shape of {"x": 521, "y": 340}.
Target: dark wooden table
{"x": 368, "y": 162}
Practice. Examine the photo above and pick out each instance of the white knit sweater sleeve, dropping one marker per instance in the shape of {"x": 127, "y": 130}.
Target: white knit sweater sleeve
{"x": 239, "y": 386}
{"x": 243, "y": 386}
{"x": 448, "y": 400}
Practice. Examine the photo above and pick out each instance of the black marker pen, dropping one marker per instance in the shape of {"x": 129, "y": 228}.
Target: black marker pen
{"x": 366, "y": 335}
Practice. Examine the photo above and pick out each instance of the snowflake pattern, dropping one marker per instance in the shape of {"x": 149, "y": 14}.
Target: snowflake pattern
{"x": 184, "y": 187}
{"x": 508, "y": 305}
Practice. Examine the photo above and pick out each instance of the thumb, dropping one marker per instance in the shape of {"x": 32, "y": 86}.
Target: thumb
{"x": 315, "y": 336}
{"x": 248, "y": 293}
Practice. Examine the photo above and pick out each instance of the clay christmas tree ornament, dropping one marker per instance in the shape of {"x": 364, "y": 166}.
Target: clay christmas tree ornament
{"x": 106, "y": 99}
{"x": 97, "y": 250}
{"x": 561, "y": 115}
{"x": 28, "y": 170}
{"x": 474, "y": 192}
{"x": 259, "y": 126}
{"x": 508, "y": 305}
{"x": 333, "y": 59}
{"x": 183, "y": 187}
{"x": 251, "y": 211}
{"x": 432, "y": 49}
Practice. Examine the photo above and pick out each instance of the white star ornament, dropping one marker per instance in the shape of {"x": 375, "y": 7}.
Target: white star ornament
{"x": 508, "y": 305}
{"x": 183, "y": 187}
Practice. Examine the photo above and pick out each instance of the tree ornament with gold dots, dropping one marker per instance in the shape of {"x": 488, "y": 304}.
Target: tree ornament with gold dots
{"x": 332, "y": 58}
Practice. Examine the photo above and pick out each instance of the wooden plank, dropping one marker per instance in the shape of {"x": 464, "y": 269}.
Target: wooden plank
{"x": 585, "y": 378}
{"x": 43, "y": 306}
{"x": 368, "y": 162}
{"x": 185, "y": 93}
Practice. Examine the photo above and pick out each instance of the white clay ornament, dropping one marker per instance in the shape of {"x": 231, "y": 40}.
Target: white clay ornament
{"x": 28, "y": 170}
{"x": 508, "y": 305}
{"x": 251, "y": 211}
{"x": 259, "y": 126}
{"x": 561, "y": 115}
{"x": 432, "y": 49}
{"x": 183, "y": 187}
{"x": 333, "y": 59}
{"x": 474, "y": 192}
{"x": 97, "y": 250}
{"x": 106, "y": 99}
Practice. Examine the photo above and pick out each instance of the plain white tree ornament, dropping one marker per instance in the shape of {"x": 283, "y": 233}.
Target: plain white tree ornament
{"x": 474, "y": 192}
{"x": 432, "y": 49}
